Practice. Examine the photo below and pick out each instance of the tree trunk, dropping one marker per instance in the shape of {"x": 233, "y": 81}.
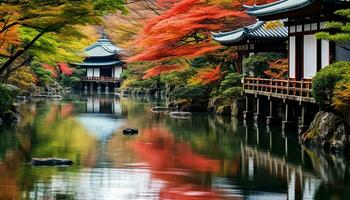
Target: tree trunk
{"x": 8, "y": 63}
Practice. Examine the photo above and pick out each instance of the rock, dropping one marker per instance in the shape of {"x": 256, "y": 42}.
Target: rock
{"x": 237, "y": 107}
{"x": 50, "y": 162}
{"x": 219, "y": 105}
{"x": 180, "y": 115}
{"x": 130, "y": 131}
{"x": 327, "y": 131}
{"x": 223, "y": 110}
{"x": 159, "y": 109}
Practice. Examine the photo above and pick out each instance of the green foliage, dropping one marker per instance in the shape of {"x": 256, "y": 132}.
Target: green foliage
{"x": 230, "y": 80}
{"x": 233, "y": 92}
{"x": 144, "y": 83}
{"x": 192, "y": 92}
{"x": 341, "y": 29}
{"x": 178, "y": 78}
{"x": 6, "y": 98}
{"x": 43, "y": 75}
{"x": 126, "y": 74}
{"x": 323, "y": 84}
{"x": 256, "y": 64}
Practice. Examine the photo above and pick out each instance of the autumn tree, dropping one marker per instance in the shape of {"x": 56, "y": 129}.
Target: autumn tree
{"x": 183, "y": 31}
{"x": 24, "y": 23}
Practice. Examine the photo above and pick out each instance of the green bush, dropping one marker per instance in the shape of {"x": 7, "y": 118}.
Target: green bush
{"x": 192, "y": 92}
{"x": 256, "y": 64}
{"x": 233, "y": 92}
{"x": 144, "y": 83}
{"x": 323, "y": 84}
{"x": 6, "y": 98}
{"x": 230, "y": 80}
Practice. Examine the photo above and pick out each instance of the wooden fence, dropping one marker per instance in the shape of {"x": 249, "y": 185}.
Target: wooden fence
{"x": 290, "y": 87}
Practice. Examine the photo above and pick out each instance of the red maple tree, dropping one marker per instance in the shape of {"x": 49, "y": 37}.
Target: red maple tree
{"x": 61, "y": 68}
{"x": 184, "y": 29}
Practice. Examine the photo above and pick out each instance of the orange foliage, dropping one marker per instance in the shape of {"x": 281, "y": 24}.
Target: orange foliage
{"x": 157, "y": 70}
{"x": 182, "y": 31}
{"x": 8, "y": 38}
{"x": 207, "y": 75}
{"x": 277, "y": 68}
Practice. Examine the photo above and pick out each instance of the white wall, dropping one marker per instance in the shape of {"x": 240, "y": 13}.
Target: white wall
{"x": 324, "y": 53}
{"x": 96, "y": 72}
{"x": 89, "y": 72}
{"x": 117, "y": 71}
{"x": 310, "y": 56}
{"x": 292, "y": 57}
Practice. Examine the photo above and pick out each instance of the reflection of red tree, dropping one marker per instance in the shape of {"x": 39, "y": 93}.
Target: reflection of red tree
{"x": 66, "y": 110}
{"x": 63, "y": 111}
{"x": 176, "y": 164}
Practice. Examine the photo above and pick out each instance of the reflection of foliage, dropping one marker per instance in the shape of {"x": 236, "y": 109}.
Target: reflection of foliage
{"x": 208, "y": 136}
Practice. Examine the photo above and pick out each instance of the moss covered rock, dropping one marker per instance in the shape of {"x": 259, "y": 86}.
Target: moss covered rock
{"x": 327, "y": 131}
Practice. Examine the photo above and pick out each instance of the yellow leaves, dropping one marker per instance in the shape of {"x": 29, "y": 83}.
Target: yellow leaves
{"x": 341, "y": 98}
{"x": 23, "y": 78}
{"x": 273, "y": 24}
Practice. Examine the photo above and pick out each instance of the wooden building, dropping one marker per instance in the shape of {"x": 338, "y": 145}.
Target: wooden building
{"x": 254, "y": 39}
{"x": 307, "y": 55}
{"x": 102, "y": 65}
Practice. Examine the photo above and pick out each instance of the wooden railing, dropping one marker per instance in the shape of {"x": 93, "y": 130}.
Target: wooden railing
{"x": 290, "y": 87}
{"x": 102, "y": 79}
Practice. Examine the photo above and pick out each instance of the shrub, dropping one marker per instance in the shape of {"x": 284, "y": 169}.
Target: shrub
{"x": 192, "y": 92}
{"x": 324, "y": 82}
{"x": 230, "y": 80}
{"x": 6, "y": 98}
{"x": 233, "y": 92}
{"x": 256, "y": 64}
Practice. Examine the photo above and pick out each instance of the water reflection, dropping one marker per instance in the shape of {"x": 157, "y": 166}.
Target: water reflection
{"x": 206, "y": 157}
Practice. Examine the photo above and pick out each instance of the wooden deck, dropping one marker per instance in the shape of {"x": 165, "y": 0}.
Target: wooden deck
{"x": 290, "y": 89}
{"x": 100, "y": 79}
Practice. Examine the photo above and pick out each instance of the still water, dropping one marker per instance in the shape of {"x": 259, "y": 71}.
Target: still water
{"x": 205, "y": 157}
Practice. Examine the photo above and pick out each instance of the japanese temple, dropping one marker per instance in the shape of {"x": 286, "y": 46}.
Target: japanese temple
{"x": 102, "y": 65}
{"x": 254, "y": 39}
{"x": 290, "y": 100}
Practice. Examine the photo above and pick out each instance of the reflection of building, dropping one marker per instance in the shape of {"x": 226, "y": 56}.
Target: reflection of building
{"x": 254, "y": 39}
{"x": 103, "y": 66}
{"x": 103, "y": 105}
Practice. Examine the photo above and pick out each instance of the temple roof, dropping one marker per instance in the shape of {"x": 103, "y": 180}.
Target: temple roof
{"x": 283, "y": 6}
{"x": 100, "y": 64}
{"x": 103, "y": 47}
{"x": 254, "y": 31}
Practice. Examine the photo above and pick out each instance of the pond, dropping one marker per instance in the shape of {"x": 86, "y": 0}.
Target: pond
{"x": 205, "y": 157}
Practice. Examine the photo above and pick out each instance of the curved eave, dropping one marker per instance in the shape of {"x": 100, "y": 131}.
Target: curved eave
{"x": 255, "y": 31}
{"x": 99, "y": 64}
{"x": 278, "y": 7}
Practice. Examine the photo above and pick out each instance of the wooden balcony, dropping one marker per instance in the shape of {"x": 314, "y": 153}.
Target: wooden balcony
{"x": 280, "y": 88}
{"x": 100, "y": 79}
